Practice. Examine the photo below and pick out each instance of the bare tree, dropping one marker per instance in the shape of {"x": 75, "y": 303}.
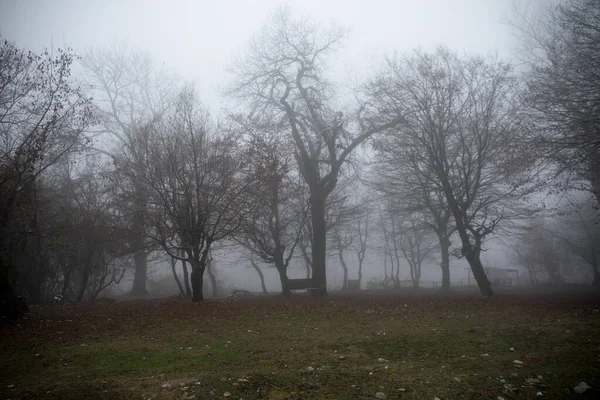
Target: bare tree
{"x": 130, "y": 90}
{"x": 461, "y": 136}
{"x": 282, "y": 75}
{"x": 42, "y": 118}
{"x": 362, "y": 229}
{"x": 198, "y": 180}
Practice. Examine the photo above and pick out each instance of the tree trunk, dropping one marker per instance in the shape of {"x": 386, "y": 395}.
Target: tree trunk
{"x": 85, "y": 278}
{"x": 596, "y": 281}
{"x": 173, "y": 263}
{"x": 307, "y": 262}
{"x": 445, "y": 264}
{"x": 360, "y": 263}
{"x": 285, "y": 290}
{"x": 186, "y": 277}
{"x": 213, "y": 278}
{"x": 319, "y": 245}
{"x": 140, "y": 257}
{"x": 67, "y": 270}
{"x": 139, "y": 278}
{"x": 342, "y": 262}
{"x": 470, "y": 251}
{"x": 197, "y": 279}
{"x": 10, "y": 305}
{"x": 260, "y": 275}
{"x": 483, "y": 282}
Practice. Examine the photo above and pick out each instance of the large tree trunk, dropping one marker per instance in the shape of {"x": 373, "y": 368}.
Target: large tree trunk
{"x": 445, "y": 264}
{"x": 197, "y": 279}
{"x": 483, "y": 282}
{"x": 173, "y": 264}
{"x": 10, "y": 305}
{"x": 319, "y": 245}
{"x": 285, "y": 290}
{"x": 469, "y": 250}
{"x": 260, "y": 275}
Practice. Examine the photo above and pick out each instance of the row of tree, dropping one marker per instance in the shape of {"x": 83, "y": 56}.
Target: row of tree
{"x": 94, "y": 180}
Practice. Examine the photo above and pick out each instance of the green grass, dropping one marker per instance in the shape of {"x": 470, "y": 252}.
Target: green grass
{"x": 307, "y": 348}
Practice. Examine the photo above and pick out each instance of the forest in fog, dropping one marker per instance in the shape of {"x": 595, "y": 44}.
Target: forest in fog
{"x": 112, "y": 166}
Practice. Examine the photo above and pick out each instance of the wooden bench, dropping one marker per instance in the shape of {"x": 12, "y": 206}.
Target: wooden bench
{"x": 353, "y": 284}
{"x": 301, "y": 284}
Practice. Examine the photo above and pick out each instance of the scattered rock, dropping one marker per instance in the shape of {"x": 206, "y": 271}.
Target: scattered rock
{"x": 166, "y": 386}
{"x": 436, "y": 398}
{"x": 10, "y": 386}
{"x": 226, "y": 394}
{"x": 485, "y": 355}
{"x": 514, "y": 374}
{"x": 380, "y": 395}
{"x": 342, "y": 357}
{"x": 512, "y": 349}
{"x": 500, "y": 398}
{"x": 242, "y": 380}
{"x": 582, "y": 387}
{"x": 382, "y": 360}
{"x": 518, "y": 362}
{"x": 310, "y": 369}
{"x": 502, "y": 380}
{"x": 457, "y": 379}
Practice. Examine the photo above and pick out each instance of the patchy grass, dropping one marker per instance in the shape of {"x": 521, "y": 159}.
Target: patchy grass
{"x": 448, "y": 346}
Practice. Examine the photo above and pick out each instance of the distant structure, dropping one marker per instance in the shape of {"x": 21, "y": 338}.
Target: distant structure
{"x": 500, "y": 276}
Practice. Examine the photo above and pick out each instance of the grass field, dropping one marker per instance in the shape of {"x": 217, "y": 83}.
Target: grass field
{"x": 450, "y": 346}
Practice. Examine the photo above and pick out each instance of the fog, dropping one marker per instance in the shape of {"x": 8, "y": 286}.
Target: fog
{"x": 199, "y": 75}
{"x": 199, "y": 40}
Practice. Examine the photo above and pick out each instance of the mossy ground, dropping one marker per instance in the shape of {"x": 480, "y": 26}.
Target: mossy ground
{"x": 450, "y": 346}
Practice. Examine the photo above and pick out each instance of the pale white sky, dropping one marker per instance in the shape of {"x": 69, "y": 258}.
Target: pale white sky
{"x": 198, "y": 39}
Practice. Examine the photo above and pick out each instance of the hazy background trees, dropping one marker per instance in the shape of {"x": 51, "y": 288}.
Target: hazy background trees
{"x": 460, "y": 135}
{"x": 130, "y": 89}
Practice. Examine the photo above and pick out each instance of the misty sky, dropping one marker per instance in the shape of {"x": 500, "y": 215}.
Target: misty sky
{"x": 199, "y": 39}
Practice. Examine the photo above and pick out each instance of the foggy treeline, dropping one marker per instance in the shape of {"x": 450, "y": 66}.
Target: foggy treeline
{"x": 105, "y": 170}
